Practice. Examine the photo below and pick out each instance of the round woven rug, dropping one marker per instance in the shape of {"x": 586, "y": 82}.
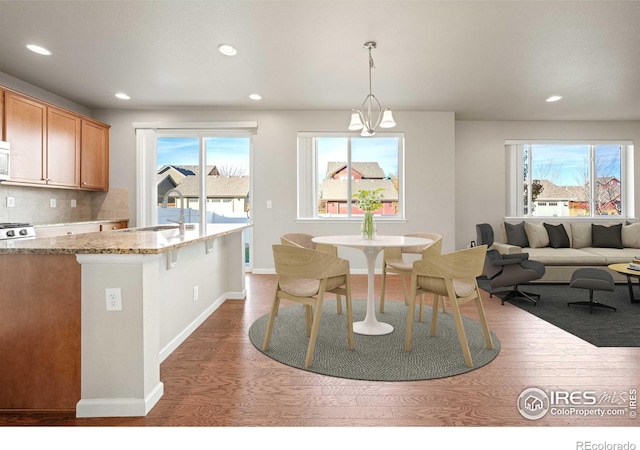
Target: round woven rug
{"x": 375, "y": 358}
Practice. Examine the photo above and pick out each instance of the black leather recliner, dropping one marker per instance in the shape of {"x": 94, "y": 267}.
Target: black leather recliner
{"x": 508, "y": 271}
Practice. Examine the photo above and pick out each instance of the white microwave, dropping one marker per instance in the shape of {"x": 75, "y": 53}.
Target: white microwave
{"x": 5, "y": 160}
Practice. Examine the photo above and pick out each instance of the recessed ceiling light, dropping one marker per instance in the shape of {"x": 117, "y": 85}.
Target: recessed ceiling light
{"x": 122, "y": 96}
{"x": 227, "y": 49}
{"x": 39, "y": 50}
{"x": 554, "y": 98}
{"x": 255, "y": 97}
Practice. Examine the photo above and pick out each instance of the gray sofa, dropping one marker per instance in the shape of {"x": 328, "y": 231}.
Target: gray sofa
{"x": 587, "y": 244}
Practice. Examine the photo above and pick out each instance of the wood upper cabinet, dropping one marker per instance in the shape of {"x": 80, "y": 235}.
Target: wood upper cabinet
{"x": 25, "y": 130}
{"x": 2, "y": 115}
{"x": 53, "y": 147}
{"x": 63, "y": 148}
{"x": 94, "y": 168}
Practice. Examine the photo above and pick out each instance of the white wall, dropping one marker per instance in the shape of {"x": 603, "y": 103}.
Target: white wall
{"x": 429, "y": 170}
{"x": 480, "y": 164}
{"x": 34, "y": 91}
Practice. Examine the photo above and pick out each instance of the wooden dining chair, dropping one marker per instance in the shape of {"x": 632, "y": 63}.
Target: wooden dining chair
{"x": 450, "y": 275}
{"x": 395, "y": 261}
{"x": 305, "y": 241}
{"x": 304, "y": 276}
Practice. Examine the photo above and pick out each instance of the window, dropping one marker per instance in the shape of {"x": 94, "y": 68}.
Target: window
{"x": 586, "y": 179}
{"x": 332, "y": 167}
{"x": 225, "y": 177}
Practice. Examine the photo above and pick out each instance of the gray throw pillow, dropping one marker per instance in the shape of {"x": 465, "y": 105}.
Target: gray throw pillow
{"x": 516, "y": 235}
{"x": 606, "y": 237}
{"x": 558, "y": 237}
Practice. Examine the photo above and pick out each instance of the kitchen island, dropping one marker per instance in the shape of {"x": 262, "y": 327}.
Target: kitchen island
{"x": 87, "y": 319}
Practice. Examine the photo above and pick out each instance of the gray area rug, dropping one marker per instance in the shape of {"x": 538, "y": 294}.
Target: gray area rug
{"x": 375, "y": 358}
{"x": 602, "y": 328}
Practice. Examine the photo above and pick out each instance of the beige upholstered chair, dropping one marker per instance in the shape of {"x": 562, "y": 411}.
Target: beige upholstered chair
{"x": 304, "y": 276}
{"x": 451, "y": 275}
{"x": 395, "y": 262}
{"x": 305, "y": 241}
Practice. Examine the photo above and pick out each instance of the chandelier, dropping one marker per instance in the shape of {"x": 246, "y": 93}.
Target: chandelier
{"x": 363, "y": 119}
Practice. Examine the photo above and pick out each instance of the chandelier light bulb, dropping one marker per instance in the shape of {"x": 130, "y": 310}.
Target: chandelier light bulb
{"x": 387, "y": 119}
{"x": 356, "y": 122}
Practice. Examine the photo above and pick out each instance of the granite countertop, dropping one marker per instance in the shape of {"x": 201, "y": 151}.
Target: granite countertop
{"x": 82, "y": 222}
{"x": 124, "y": 241}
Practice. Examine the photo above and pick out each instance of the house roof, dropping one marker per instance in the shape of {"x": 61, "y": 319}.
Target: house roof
{"x": 367, "y": 169}
{"x": 217, "y": 186}
{"x": 175, "y": 173}
{"x": 552, "y": 192}
{"x": 576, "y": 193}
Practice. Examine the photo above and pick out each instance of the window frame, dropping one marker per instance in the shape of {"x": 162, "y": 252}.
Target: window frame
{"x": 514, "y": 158}
{"x": 307, "y": 188}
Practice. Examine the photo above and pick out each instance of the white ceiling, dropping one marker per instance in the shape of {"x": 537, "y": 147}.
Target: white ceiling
{"x": 494, "y": 60}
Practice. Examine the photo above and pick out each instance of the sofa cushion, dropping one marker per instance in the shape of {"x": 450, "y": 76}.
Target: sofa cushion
{"x": 516, "y": 234}
{"x": 581, "y": 234}
{"x": 558, "y": 237}
{"x": 565, "y": 256}
{"x": 612, "y": 255}
{"x": 606, "y": 237}
{"x": 631, "y": 235}
{"x": 537, "y": 235}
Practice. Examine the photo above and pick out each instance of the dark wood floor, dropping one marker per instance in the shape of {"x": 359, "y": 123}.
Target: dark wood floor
{"x": 218, "y": 379}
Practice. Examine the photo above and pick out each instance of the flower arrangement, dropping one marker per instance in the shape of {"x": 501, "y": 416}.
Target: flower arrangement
{"x": 369, "y": 201}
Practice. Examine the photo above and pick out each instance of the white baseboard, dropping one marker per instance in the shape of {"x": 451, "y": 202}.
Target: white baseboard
{"x": 182, "y": 336}
{"x": 119, "y": 407}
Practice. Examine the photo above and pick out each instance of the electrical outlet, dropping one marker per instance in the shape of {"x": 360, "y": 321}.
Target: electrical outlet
{"x": 114, "y": 299}
{"x": 52, "y": 202}
{"x": 11, "y": 202}
{"x": 195, "y": 293}
{"x": 74, "y": 203}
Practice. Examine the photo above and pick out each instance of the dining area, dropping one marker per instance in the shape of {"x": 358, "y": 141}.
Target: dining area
{"x": 420, "y": 334}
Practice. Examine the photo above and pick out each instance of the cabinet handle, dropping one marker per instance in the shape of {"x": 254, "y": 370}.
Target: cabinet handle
{"x": 69, "y": 232}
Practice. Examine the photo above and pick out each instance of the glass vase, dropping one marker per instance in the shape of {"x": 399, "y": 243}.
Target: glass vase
{"x": 368, "y": 227}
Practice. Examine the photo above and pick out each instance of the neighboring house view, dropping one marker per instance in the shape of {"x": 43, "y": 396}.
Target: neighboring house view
{"x": 363, "y": 175}
{"x": 226, "y": 195}
{"x": 573, "y": 201}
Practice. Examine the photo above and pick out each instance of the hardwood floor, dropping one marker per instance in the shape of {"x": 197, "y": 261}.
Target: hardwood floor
{"x": 218, "y": 379}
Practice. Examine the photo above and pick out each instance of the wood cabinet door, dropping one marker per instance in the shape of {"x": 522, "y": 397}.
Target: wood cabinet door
{"x": 63, "y": 148}
{"x": 114, "y": 225}
{"x": 94, "y": 168}
{"x": 25, "y": 126}
{"x": 2, "y": 138}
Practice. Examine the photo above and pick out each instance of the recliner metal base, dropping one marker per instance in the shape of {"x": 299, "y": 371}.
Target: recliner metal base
{"x": 591, "y": 303}
{"x": 516, "y": 293}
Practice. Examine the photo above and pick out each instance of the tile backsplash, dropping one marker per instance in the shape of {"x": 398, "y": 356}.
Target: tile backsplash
{"x": 35, "y": 205}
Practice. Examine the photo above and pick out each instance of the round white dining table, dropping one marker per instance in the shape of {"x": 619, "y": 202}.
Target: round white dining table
{"x": 371, "y": 248}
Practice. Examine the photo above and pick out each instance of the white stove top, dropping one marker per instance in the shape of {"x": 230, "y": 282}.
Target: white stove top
{"x": 16, "y": 231}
